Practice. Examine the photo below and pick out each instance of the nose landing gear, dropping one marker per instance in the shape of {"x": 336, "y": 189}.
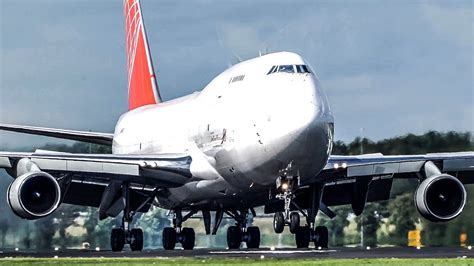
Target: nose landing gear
{"x": 286, "y": 187}
{"x": 303, "y": 234}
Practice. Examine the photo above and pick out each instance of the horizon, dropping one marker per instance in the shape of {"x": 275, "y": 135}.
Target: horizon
{"x": 70, "y": 143}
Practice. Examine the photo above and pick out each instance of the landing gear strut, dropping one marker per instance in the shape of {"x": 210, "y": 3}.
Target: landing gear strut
{"x": 125, "y": 234}
{"x": 240, "y": 232}
{"x": 310, "y": 233}
{"x": 303, "y": 234}
{"x": 286, "y": 186}
{"x": 179, "y": 234}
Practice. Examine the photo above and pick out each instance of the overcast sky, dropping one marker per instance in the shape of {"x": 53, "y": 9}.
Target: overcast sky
{"x": 390, "y": 67}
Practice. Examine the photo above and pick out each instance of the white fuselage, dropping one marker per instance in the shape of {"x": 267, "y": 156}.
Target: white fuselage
{"x": 242, "y": 130}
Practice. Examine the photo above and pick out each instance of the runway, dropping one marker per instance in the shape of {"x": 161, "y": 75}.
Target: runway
{"x": 284, "y": 253}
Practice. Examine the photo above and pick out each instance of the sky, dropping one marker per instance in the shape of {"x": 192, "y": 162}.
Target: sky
{"x": 388, "y": 67}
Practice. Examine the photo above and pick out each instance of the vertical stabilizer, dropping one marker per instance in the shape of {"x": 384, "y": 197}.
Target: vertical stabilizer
{"x": 142, "y": 85}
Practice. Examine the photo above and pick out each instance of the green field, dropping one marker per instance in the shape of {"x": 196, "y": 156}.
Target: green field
{"x": 239, "y": 261}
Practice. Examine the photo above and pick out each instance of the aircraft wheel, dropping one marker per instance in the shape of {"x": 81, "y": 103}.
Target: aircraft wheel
{"x": 169, "y": 238}
{"x": 117, "y": 239}
{"x": 278, "y": 222}
{"x": 136, "y": 239}
{"x": 234, "y": 237}
{"x": 253, "y": 240}
{"x": 322, "y": 236}
{"x": 294, "y": 222}
{"x": 188, "y": 238}
{"x": 302, "y": 236}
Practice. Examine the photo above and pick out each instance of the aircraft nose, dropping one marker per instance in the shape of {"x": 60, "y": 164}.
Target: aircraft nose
{"x": 308, "y": 104}
{"x": 299, "y": 106}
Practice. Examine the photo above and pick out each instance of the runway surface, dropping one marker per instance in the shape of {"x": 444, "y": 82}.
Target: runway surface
{"x": 285, "y": 253}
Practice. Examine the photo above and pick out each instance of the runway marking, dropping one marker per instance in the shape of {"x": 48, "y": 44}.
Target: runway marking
{"x": 271, "y": 251}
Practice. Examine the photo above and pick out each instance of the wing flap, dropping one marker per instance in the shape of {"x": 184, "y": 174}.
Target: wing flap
{"x": 90, "y": 194}
{"x": 336, "y": 193}
{"x": 463, "y": 164}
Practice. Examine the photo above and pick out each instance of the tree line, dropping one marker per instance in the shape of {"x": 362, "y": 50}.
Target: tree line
{"x": 382, "y": 223}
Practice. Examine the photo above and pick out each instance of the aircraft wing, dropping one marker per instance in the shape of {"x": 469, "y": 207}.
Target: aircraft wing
{"x": 85, "y": 136}
{"x": 84, "y": 177}
{"x": 342, "y": 172}
{"x": 369, "y": 177}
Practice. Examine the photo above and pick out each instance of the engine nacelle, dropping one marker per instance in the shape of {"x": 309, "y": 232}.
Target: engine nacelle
{"x": 440, "y": 198}
{"x": 34, "y": 195}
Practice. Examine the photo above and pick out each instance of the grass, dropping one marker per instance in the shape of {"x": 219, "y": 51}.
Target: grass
{"x": 229, "y": 261}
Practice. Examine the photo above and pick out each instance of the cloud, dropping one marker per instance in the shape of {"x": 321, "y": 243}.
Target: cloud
{"x": 392, "y": 67}
{"x": 242, "y": 40}
{"x": 451, "y": 23}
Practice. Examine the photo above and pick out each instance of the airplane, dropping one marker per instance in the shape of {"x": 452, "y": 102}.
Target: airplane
{"x": 259, "y": 134}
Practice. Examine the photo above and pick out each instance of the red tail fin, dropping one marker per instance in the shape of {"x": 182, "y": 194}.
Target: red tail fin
{"x": 142, "y": 86}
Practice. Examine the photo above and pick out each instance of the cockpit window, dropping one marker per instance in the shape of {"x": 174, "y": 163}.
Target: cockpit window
{"x": 299, "y": 69}
{"x": 305, "y": 69}
{"x": 302, "y": 69}
{"x": 286, "y": 69}
{"x": 272, "y": 70}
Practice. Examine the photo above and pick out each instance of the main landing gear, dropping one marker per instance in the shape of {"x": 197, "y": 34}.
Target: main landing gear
{"x": 125, "y": 234}
{"x": 303, "y": 234}
{"x": 236, "y": 234}
{"x": 240, "y": 232}
{"x": 178, "y": 234}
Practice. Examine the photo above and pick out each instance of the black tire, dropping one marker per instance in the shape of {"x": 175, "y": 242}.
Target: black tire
{"x": 169, "y": 238}
{"x": 117, "y": 239}
{"x": 302, "y": 237}
{"x": 136, "y": 239}
{"x": 253, "y": 240}
{"x": 294, "y": 222}
{"x": 278, "y": 222}
{"x": 322, "y": 237}
{"x": 234, "y": 237}
{"x": 188, "y": 239}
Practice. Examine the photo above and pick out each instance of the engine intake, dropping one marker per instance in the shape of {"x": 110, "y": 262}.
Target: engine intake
{"x": 34, "y": 195}
{"x": 440, "y": 198}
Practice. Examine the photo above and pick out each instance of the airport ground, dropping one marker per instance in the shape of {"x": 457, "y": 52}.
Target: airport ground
{"x": 263, "y": 256}
{"x": 233, "y": 261}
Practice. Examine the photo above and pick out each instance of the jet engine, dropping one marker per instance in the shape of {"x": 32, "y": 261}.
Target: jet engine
{"x": 34, "y": 195}
{"x": 440, "y": 198}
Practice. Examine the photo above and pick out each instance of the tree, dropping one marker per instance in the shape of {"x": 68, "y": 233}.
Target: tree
{"x": 404, "y": 216}
{"x": 336, "y": 225}
{"x": 4, "y": 226}
{"x": 369, "y": 222}
{"x": 45, "y": 229}
{"x": 90, "y": 223}
{"x": 66, "y": 216}
{"x": 153, "y": 223}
